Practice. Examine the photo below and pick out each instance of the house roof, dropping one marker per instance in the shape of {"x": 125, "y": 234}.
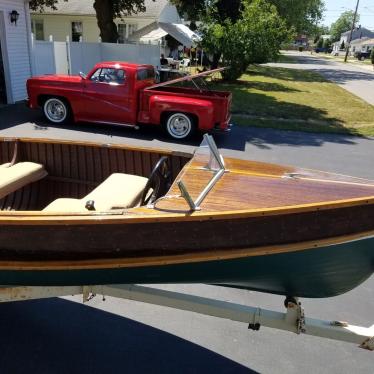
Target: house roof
{"x": 85, "y": 7}
{"x": 359, "y": 33}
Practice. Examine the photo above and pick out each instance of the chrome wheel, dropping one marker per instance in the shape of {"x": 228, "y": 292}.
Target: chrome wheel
{"x": 179, "y": 126}
{"x": 55, "y": 110}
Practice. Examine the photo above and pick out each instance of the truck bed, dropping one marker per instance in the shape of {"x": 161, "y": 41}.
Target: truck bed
{"x": 220, "y": 100}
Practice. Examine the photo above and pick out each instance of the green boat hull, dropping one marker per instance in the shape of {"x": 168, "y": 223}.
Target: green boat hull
{"x": 314, "y": 273}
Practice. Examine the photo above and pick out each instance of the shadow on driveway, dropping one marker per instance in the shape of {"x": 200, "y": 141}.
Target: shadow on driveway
{"x": 16, "y": 115}
{"x": 60, "y": 336}
{"x": 344, "y": 76}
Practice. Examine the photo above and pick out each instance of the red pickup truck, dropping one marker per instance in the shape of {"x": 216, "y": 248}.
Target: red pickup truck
{"x": 126, "y": 94}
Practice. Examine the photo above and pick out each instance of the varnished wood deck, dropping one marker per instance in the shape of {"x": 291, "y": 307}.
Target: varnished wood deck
{"x": 252, "y": 185}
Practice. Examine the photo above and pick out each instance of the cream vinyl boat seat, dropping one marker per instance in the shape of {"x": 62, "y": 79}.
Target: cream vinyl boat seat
{"x": 14, "y": 177}
{"x": 118, "y": 191}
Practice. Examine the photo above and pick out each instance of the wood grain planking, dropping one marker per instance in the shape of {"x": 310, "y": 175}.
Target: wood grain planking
{"x": 74, "y": 161}
{"x": 5, "y": 152}
{"x": 246, "y": 191}
{"x": 158, "y": 239}
{"x": 105, "y": 164}
{"x": 138, "y": 166}
{"x": 146, "y": 164}
{"x": 130, "y": 163}
{"x": 90, "y": 166}
{"x": 120, "y": 156}
{"x": 98, "y": 173}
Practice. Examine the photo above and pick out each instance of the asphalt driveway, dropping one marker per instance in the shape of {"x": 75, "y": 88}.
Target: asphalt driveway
{"x": 355, "y": 79}
{"x": 116, "y": 336}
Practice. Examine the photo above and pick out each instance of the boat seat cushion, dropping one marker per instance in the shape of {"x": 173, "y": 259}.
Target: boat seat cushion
{"x": 19, "y": 175}
{"x": 118, "y": 191}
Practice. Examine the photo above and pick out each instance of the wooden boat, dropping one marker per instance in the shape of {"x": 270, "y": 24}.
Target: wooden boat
{"x": 75, "y": 213}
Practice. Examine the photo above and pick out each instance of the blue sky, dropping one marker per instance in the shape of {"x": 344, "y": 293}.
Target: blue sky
{"x": 335, "y": 7}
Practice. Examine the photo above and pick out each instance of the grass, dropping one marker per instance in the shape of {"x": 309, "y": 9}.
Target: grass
{"x": 299, "y": 100}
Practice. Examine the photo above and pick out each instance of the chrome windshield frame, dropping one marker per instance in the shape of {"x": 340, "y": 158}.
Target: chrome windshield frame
{"x": 195, "y": 205}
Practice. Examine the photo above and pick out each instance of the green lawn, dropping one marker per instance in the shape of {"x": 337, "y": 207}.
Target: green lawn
{"x": 297, "y": 100}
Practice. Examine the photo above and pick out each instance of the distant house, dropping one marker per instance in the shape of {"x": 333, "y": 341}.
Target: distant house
{"x": 15, "y": 60}
{"x": 362, "y": 45}
{"x": 76, "y": 19}
{"x": 301, "y": 41}
{"x": 358, "y": 33}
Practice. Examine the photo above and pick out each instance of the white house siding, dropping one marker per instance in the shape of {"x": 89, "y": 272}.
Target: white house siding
{"x": 59, "y": 26}
{"x": 17, "y": 49}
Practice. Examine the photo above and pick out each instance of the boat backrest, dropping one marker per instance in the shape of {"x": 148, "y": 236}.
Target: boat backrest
{"x": 19, "y": 175}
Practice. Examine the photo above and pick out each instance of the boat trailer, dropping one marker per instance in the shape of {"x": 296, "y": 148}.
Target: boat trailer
{"x": 293, "y": 320}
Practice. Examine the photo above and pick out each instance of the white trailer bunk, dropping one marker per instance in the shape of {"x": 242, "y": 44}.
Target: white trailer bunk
{"x": 293, "y": 320}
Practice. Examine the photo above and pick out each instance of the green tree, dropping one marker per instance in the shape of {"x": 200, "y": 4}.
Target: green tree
{"x": 342, "y": 24}
{"x": 192, "y": 10}
{"x": 320, "y": 43}
{"x": 372, "y": 56}
{"x": 342, "y": 46}
{"x": 106, "y": 12}
{"x": 245, "y": 42}
{"x": 327, "y": 44}
{"x": 302, "y": 16}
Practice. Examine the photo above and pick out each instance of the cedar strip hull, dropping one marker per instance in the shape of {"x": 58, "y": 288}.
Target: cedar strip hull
{"x": 258, "y": 228}
{"x": 97, "y": 240}
{"x": 308, "y": 273}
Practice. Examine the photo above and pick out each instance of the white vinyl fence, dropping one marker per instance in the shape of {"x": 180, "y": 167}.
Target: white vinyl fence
{"x": 73, "y": 57}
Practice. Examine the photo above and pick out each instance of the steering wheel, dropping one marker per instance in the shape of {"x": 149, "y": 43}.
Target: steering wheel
{"x": 159, "y": 180}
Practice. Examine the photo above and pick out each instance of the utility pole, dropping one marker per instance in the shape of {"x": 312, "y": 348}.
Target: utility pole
{"x": 350, "y": 36}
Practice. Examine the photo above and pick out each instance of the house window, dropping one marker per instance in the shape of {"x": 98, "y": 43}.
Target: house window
{"x": 76, "y": 31}
{"x": 132, "y": 28}
{"x": 121, "y": 28}
{"x": 37, "y": 28}
{"x": 125, "y": 30}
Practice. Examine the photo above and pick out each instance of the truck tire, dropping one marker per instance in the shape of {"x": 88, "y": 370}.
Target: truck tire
{"x": 56, "y": 110}
{"x": 180, "y": 125}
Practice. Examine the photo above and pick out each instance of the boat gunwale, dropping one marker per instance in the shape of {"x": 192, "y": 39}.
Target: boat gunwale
{"x": 203, "y": 256}
{"x": 132, "y": 216}
{"x": 98, "y": 145}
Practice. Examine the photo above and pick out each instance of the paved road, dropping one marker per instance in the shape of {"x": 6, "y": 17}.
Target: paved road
{"x": 357, "y": 80}
{"x": 116, "y": 336}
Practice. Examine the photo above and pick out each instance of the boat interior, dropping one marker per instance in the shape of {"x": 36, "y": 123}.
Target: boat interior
{"x": 63, "y": 176}
{"x": 67, "y": 177}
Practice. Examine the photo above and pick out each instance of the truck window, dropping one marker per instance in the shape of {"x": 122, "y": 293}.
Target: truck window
{"x": 145, "y": 74}
{"x": 109, "y": 75}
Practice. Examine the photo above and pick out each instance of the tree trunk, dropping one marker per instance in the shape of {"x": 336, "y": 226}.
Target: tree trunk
{"x": 105, "y": 16}
{"x": 216, "y": 58}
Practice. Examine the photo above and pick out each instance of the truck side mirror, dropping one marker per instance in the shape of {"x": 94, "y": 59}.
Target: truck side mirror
{"x": 82, "y": 75}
